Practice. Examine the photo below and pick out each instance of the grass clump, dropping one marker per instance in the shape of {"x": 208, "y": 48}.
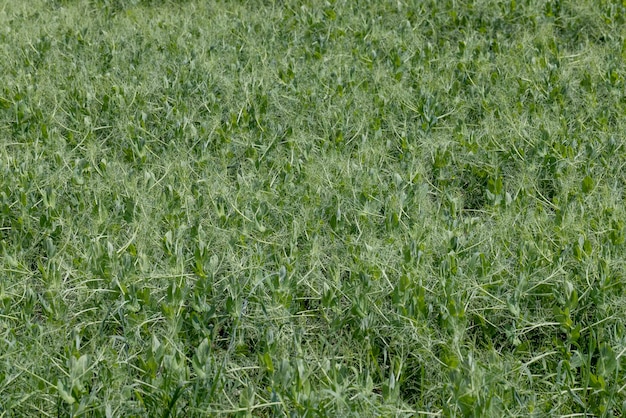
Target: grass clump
{"x": 303, "y": 209}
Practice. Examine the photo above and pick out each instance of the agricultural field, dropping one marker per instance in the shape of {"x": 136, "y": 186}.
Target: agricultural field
{"x": 312, "y": 208}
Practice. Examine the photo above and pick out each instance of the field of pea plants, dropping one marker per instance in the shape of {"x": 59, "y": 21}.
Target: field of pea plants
{"x": 312, "y": 208}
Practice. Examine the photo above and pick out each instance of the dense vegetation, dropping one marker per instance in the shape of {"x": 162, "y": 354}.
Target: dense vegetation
{"x": 306, "y": 208}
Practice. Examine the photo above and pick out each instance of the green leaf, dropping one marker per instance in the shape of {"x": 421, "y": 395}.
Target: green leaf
{"x": 587, "y": 184}
{"x": 204, "y": 350}
{"x": 65, "y": 395}
{"x": 608, "y": 361}
{"x": 450, "y": 359}
{"x": 266, "y": 360}
{"x": 587, "y": 247}
{"x": 597, "y": 382}
{"x": 198, "y": 367}
{"x": 513, "y": 308}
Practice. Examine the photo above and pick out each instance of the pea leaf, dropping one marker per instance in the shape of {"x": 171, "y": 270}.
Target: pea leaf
{"x": 587, "y": 184}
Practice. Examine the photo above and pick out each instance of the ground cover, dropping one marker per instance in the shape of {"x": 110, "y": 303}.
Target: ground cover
{"x": 301, "y": 208}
